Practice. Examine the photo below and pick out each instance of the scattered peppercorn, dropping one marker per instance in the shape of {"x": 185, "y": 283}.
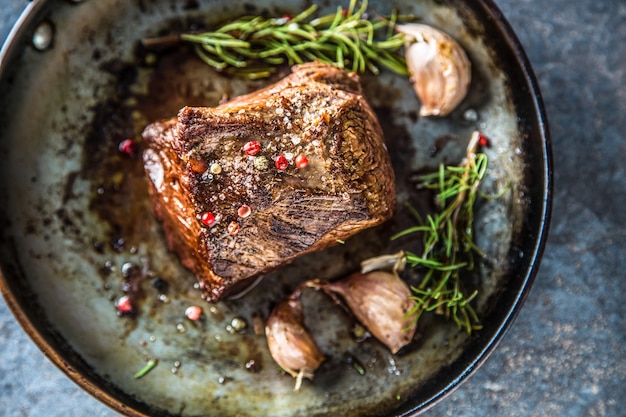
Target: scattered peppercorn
{"x": 118, "y": 244}
{"x": 193, "y": 313}
{"x": 281, "y": 163}
{"x": 252, "y": 148}
{"x": 301, "y": 162}
{"x": 128, "y": 147}
{"x": 207, "y": 219}
{"x": 483, "y": 141}
{"x": 253, "y": 366}
{"x": 124, "y": 305}
{"x": 160, "y": 284}
{"x": 244, "y": 211}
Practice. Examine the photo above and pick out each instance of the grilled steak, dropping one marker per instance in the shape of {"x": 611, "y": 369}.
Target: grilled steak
{"x": 249, "y": 185}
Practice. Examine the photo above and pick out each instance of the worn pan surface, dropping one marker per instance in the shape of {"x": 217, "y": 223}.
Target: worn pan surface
{"x": 74, "y": 215}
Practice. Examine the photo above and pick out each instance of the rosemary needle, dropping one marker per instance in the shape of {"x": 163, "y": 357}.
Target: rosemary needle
{"x": 252, "y": 47}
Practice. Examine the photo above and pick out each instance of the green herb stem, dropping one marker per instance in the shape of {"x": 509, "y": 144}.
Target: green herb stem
{"x": 448, "y": 240}
{"x": 150, "y": 365}
{"x": 347, "y": 38}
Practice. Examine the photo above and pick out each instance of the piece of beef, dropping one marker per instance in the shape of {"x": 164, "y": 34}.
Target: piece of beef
{"x": 265, "y": 215}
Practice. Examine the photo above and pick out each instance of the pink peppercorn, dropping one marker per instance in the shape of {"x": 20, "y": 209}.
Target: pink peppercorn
{"x": 193, "y": 313}
{"x": 244, "y": 211}
{"x": 483, "y": 141}
{"x": 301, "y": 162}
{"x": 252, "y": 148}
{"x": 128, "y": 147}
{"x": 124, "y": 305}
{"x": 207, "y": 219}
{"x": 281, "y": 163}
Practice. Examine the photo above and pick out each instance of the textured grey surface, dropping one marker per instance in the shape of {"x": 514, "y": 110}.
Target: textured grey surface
{"x": 566, "y": 353}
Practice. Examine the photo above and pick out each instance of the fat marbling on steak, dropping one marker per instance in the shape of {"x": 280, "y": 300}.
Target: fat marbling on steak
{"x": 249, "y": 185}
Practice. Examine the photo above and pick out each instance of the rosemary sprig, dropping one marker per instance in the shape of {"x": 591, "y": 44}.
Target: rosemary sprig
{"x": 253, "y": 46}
{"x": 448, "y": 240}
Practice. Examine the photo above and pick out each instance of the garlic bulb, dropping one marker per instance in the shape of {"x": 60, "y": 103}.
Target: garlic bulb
{"x": 380, "y": 301}
{"x": 438, "y": 66}
{"x": 290, "y": 343}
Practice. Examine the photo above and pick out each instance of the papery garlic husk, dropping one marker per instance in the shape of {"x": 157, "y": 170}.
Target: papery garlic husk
{"x": 381, "y": 301}
{"x": 290, "y": 343}
{"x": 395, "y": 262}
{"x": 438, "y": 67}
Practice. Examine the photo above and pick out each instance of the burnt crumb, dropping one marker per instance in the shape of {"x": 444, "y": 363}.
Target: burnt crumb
{"x": 98, "y": 246}
{"x": 160, "y": 284}
{"x": 68, "y": 192}
{"x": 118, "y": 244}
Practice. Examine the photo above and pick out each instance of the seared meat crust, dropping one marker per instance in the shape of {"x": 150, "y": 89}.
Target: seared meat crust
{"x": 196, "y": 164}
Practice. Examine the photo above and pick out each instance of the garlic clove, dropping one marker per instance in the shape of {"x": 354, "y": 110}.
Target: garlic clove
{"x": 290, "y": 343}
{"x": 438, "y": 66}
{"x": 381, "y": 301}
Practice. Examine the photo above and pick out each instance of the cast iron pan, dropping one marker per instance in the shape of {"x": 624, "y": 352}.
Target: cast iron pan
{"x": 74, "y": 211}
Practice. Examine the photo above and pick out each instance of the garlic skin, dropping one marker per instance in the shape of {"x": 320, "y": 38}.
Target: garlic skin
{"x": 439, "y": 68}
{"x": 380, "y": 301}
{"x": 395, "y": 262}
{"x": 290, "y": 343}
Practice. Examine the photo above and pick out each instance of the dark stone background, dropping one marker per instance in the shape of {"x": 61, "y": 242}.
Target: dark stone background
{"x": 566, "y": 353}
